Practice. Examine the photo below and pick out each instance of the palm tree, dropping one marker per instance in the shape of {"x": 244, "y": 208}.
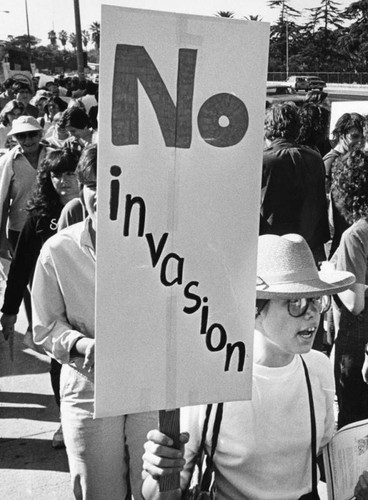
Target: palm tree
{"x": 52, "y": 37}
{"x": 85, "y": 38}
{"x": 225, "y": 13}
{"x": 73, "y": 40}
{"x": 253, "y": 18}
{"x": 63, "y": 37}
{"x": 95, "y": 30}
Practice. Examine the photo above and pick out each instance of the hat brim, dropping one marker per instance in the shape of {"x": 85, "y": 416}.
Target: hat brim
{"x": 25, "y": 128}
{"x": 328, "y": 283}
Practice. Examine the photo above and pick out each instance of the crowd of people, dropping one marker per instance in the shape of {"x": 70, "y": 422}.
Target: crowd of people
{"x": 313, "y": 209}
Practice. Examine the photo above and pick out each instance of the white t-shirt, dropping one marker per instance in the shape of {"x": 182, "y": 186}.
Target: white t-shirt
{"x": 264, "y": 445}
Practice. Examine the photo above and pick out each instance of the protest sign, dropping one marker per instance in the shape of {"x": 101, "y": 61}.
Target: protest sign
{"x": 181, "y": 114}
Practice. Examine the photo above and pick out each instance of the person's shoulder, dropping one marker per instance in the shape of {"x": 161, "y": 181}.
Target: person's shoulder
{"x": 319, "y": 365}
{"x": 331, "y": 155}
{"x": 357, "y": 231}
{"x": 308, "y": 150}
{"x": 192, "y": 417}
{"x": 64, "y": 239}
{"x": 8, "y": 157}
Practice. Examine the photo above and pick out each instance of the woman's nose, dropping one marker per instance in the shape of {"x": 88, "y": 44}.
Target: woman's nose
{"x": 312, "y": 310}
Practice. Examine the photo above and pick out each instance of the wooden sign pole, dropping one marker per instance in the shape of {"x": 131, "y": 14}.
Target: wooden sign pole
{"x": 169, "y": 424}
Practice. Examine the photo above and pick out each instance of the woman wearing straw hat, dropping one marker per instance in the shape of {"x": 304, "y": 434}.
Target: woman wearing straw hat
{"x": 264, "y": 448}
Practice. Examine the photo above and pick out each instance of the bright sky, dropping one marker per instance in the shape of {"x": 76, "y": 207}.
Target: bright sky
{"x": 45, "y": 15}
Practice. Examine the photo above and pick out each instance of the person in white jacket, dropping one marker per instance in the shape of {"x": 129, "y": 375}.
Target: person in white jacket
{"x": 104, "y": 454}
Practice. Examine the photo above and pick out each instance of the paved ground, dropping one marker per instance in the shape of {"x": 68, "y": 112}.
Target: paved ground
{"x": 29, "y": 467}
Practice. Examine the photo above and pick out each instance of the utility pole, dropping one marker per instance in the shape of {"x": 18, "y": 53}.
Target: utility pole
{"x": 287, "y": 50}
{"x": 78, "y": 35}
{"x": 28, "y": 35}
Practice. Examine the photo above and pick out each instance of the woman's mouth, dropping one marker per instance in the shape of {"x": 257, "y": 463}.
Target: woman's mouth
{"x": 308, "y": 333}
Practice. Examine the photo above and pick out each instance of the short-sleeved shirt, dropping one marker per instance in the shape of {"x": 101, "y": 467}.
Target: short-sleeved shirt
{"x": 264, "y": 445}
{"x": 352, "y": 254}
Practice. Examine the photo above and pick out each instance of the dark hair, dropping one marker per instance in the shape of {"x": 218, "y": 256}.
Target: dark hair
{"x": 313, "y": 124}
{"x": 282, "y": 120}
{"x": 91, "y": 87}
{"x": 8, "y": 83}
{"x": 62, "y": 105}
{"x": 21, "y": 86}
{"x": 44, "y": 198}
{"x": 8, "y": 108}
{"x": 346, "y": 122}
{"x": 350, "y": 185}
{"x": 260, "y": 305}
{"x": 87, "y": 165}
{"x": 76, "y": 117}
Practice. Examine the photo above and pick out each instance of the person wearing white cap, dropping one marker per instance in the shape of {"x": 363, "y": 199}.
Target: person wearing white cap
{"x": 18, "y": 168}
{"x": 267, "y": 447}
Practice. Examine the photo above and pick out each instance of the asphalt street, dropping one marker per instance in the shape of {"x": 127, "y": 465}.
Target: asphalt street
{"x": 29, "y": 467}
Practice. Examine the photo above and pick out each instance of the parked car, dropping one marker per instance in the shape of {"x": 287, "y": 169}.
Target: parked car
{"x": 306, "y": 83}
{"x": 281, "y": 92}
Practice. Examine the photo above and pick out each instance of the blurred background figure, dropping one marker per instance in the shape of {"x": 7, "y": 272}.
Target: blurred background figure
{"x": 350, "y": 192}
{"x": 39, "y": 100}
{"x": 347, "y": 136}
{"x": 77, "y": 123}
{"x": 7, "y": 93}
{"x": 52, "y": 106}
{"x": 12, "y": 110}
{"x": 23, "y": 94}
{"x": 293, "y": 197}
{"x": 314, "y": 127}
{"x": 56, "y": 185}
{"x": 18, "y": 171}
{"x": 56, "y": 136}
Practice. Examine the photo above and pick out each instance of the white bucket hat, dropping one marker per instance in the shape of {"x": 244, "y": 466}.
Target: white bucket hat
{"x": 286, "y": 269}
{"x": 24, "y": 124}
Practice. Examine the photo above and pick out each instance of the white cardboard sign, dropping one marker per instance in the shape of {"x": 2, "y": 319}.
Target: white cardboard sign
{"x": 181, "y": 113}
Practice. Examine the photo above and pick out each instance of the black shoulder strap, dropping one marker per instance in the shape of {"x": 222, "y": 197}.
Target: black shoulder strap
{"x": 207, "y": 474}
{"x": 205, "y": 426}
{"x": 216, "y": 428}
{"x": 313, "y": 428}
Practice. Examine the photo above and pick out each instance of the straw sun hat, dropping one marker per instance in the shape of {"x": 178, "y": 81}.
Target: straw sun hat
{"x": 286, "y": 269}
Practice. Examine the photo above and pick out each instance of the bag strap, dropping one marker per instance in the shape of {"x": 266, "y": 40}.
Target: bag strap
{"x": 216, "y": 429}
{"x": 207, "y": 474}
{"x": 313, "y": 429}
{"x": 205, "y": 427}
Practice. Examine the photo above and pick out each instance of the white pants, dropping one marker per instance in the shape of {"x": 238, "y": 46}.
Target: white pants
{"x": 104, "y": 454}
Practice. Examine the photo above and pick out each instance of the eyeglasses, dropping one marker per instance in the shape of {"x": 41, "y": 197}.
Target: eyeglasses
{"x": 298, "y": 307}
{"x": 24, "y": 135}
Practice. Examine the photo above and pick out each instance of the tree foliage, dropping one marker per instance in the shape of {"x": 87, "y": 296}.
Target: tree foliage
{"x": 63, "y": 37}
{"x": 225, "y": 13}
{"x": 85, "y": 38}
{"x": 95, "y": 33}
{"x": 52, "y": 37}
{"x": 329, "y": 40}
{"x": 72, "y": 39}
